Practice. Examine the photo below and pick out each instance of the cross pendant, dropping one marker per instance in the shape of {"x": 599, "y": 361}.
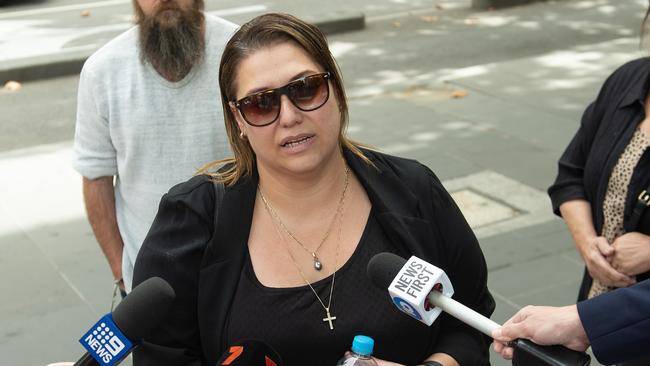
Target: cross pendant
{"x": 329, "y": 318}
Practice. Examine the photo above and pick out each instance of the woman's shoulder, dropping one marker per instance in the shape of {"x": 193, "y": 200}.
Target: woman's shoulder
{"x": 635, "y": 65}
{"x": 410, "y": 171}
{"x": 630, "y": 72}
{"x": 194, "y": 195}
{"x": 179, "y": 233}
{"x": 401, "y": 166}
{"x": 198, "y": 183}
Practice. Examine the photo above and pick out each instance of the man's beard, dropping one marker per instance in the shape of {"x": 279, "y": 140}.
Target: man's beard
{"x": 173, "y": 49}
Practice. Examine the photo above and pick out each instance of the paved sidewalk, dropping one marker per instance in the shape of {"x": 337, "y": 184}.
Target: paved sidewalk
{"x": 52, "y": 41}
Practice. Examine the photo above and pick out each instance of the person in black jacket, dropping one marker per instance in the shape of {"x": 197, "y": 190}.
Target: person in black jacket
{"x": 274, "y": 245}
{"x": 601, "y": 190}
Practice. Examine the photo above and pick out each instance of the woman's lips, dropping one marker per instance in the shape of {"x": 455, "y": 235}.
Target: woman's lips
{"x": 298, "y": 144}
{"x": 295, "y": 141}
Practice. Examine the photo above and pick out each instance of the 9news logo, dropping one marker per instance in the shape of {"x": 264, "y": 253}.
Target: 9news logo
{"x": 105, "y": 342}
{"x": 407, "y": 308}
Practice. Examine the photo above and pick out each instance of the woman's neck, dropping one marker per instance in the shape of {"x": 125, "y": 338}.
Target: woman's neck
{"x": 304, "y": 192}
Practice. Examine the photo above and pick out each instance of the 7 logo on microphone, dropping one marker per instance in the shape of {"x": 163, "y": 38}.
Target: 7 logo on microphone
{"x": 105, "y": 342}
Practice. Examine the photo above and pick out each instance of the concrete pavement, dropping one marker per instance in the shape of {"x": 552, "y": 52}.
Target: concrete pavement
{"x": 491, "y": 130}
{"x": 49, "y": 40}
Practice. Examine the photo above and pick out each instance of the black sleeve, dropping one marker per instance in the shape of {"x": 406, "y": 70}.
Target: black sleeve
{"x": 173, "y": 250}
{"x": 569, "y": 183}
{"x": 467, "y": 271}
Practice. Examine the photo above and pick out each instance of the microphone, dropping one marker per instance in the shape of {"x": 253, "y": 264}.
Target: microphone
{"x": 250, "y": 353}
{"x": 423, "y": 291}
{"x": 116, "y": 334}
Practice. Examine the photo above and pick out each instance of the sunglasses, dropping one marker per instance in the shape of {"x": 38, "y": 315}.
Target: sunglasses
{"x": 307, "y": 94}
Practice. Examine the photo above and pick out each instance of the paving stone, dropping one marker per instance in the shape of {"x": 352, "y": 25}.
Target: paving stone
{"x": 519, "y": 279}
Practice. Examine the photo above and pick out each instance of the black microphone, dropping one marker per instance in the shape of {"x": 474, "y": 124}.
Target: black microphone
{"x": 116, "y": 334}
{"x": 390, "y": 271}
{"x": 250, "y": 353}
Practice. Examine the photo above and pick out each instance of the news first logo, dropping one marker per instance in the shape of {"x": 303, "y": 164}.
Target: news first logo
{"x": 105, "y": 342}
{"x": 413, "y": 283}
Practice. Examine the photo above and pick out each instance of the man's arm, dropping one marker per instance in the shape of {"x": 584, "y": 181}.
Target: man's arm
{"x": 99, "y": 198}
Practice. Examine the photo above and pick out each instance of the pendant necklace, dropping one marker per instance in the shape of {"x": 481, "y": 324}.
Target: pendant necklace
{"x": 318, "y": 265}
{"x": 339, "y": 214}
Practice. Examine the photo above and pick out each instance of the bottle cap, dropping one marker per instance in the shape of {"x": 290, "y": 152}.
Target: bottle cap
{"x": 363, "y": 345}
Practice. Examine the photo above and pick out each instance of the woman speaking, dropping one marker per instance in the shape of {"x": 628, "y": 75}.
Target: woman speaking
{"x": 273, "y": 243}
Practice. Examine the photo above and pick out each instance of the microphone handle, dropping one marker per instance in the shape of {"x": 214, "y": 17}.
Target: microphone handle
{"x": 86, "y": 360}
{"x": 527, "y": 353}
{"x": 463, "y": 313}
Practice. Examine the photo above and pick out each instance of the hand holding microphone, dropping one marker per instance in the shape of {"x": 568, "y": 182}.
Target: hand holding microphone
{"x": 422, "y": 290}
{"x": 543, "y": 325}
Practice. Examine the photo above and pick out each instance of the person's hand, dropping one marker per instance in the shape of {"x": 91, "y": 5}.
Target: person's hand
{"x": 543, "y": 325}
{"x": 596, "y": 252}
{"x": 117, "y": 274}
{"x": 631, "y": 254}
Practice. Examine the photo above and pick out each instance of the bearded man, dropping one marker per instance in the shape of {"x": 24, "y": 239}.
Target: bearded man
{"x": 148, "y": 116}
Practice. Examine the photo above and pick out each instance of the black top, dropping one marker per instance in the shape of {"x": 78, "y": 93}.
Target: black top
{"x": 606, "y": 129}
{"x": 203, "y": 262}
{"x": 296, "y": 330}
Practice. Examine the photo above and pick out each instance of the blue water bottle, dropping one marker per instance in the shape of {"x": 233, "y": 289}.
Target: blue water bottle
{"x": 361, "y": 353}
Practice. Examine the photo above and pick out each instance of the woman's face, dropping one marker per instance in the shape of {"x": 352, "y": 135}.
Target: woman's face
{"x": 298, "y": 141}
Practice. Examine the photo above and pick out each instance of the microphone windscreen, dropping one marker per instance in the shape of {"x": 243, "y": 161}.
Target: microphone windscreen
{"x": 383, "y": 268}
{"x": 250, "y": 353}
{"x": 144, "y": 307}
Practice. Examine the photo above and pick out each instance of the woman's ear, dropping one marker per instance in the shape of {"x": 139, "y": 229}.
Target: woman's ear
{"x": 242, "y": 128}
{"x": 241, "y": 124}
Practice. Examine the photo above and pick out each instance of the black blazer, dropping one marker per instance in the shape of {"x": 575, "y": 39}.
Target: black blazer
{"x": 203, "y": 263}
{"x": 606, "y": 129}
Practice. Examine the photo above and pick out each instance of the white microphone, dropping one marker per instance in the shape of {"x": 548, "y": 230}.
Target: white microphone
{"x": 423, "y": 291}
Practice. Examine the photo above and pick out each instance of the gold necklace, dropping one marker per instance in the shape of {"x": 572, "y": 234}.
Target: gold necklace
{"x": 318, "y": 265}
{"x": 327, "y": 308}
{"x": 329, "y": 318}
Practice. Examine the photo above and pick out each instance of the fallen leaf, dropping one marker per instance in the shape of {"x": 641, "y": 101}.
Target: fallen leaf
{"x": 439, "y": 7}
{"x": 12, "y": 86}
{"x": 410, "y": 90}
{"x": 429, "y": 18}
{"x": 458, "y": 94}
{"x": 85, "y": 13}
{"x": 397, "y": 24}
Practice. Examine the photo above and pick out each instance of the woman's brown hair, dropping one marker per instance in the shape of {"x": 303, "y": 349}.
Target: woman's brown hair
{"x": 265, "y": 31}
